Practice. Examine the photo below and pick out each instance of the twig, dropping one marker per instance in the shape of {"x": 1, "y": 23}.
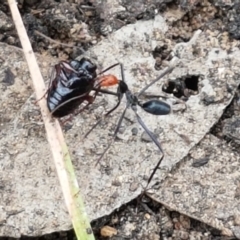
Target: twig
{"x": 58, "y": 146}
{"x": 57, "y": 42}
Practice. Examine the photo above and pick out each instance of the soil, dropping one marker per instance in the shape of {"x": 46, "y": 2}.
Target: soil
{"x": 66, "y": 36}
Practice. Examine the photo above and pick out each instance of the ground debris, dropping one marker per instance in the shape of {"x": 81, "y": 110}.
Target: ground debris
{"x": 108, "y": 231}
{"x": 207, "y": 193}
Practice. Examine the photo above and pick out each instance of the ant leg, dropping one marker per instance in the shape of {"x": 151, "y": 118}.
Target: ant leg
{"x": 114, "y": 135}
{"x": 66, "y": 120}
{"x": 120, "y": 95}
{"x": 168, "y": 70}
{"x": 154, "y": 171}
{"x": 107, "y": 114}
{"x": 149, "y": 133}
{"x": 41, "y": 97}
{"x": 69, "y": 100}
{"x": 155, "y": 141}
{"x": 89, "y": 99}
{"x": 52, "y": 77}
{"x": 106, "y": 91}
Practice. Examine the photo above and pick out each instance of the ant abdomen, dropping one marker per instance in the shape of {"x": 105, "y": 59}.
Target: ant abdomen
{"x": 156, "y": 107}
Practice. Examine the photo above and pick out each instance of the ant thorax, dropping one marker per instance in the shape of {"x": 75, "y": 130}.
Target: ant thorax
{"x": 131, "y": 99}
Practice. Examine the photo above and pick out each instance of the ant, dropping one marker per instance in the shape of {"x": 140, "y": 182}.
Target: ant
{"x": 72, "y": 82}
{"x": 154, "y": 107}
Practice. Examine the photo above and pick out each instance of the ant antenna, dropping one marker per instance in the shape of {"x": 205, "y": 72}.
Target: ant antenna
{"x": 119, "y": 94}
{"x": 105, "y": 70}
{"x": 166, "y": 71}
{"x": 150, "y": 134}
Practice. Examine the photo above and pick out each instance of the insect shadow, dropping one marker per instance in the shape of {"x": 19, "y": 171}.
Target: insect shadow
{"x": 154, "y": 107}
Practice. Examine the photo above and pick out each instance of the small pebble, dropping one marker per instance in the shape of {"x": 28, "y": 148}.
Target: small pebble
{"x": 108, "y": 231}
{"x": 134, "y": 131}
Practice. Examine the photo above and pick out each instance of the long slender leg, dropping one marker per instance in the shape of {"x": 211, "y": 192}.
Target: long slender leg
{"x": 80, "y": 96}
{"x": 157, "y": 144}
{"x": 52, "y": 77}
{"x": 119, "y": 94}
{"x": 105, "y": 91}
{"x": 115, "y": 134}
{"x": 41, "y": 97}
{"x": 69, "y": 100}
{"x": 105, "y": 70}
{"x": 107, "y": 114}
{"x": 122, "y": 72}
{"x": 89, "y": 99}
{"x": 56, "y": 72}
{"x": 168, "y": 70}
{"x": 154, "y": 171}
{"x": 150, "y": 134}
{"x": 86, "y": 97}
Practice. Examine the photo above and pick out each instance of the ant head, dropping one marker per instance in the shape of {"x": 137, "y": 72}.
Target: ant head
{"x": 122, "y": 87}
{"x": 156, "y": 107}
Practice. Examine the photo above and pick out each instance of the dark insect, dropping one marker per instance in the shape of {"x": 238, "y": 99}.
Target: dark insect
{"x": 74, "y": 79}
{"x": 71, "y": 84}
{"x": 155, "y": 107}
